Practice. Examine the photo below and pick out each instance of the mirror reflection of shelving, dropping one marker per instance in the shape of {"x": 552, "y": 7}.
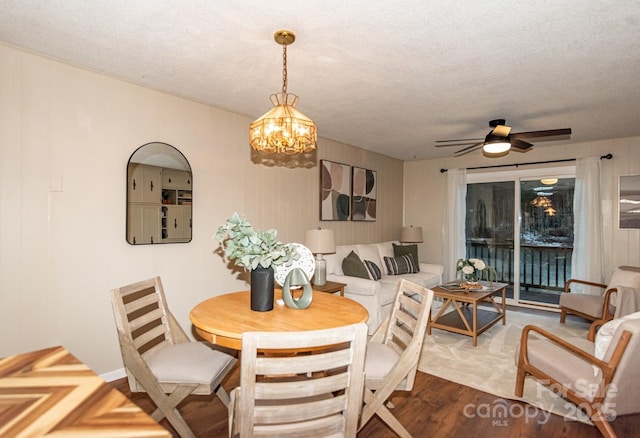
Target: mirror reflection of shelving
{"x": 176, "y": 206}
{"x": 176, "y": 223}
{"x": 184, "y": 197}
{"x": 159, "y": 195}
{"x": 176, "y": 197}
{"x": 163, "y": 224}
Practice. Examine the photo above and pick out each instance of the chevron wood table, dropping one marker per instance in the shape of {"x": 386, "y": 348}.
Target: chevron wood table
{"x": 50, "y": 392}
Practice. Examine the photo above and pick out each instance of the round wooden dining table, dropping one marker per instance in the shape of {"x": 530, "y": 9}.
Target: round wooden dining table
{"x": 222, "y": 319}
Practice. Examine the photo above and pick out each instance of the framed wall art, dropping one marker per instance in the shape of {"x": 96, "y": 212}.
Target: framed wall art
{"x": 629, "y": 201}
{"x": 363, "y": 194}
{"x": 335, "y": 191}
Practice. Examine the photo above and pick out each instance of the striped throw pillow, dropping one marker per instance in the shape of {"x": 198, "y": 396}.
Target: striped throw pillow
{"x": 374, "y": 270}
{"x": 401, "y": 265}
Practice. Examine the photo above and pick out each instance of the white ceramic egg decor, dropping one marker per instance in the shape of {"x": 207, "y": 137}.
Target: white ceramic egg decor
{"x": 305, "y": 262}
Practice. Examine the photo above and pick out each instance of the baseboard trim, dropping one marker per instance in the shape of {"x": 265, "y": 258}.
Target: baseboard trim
{"x": 110, "y": 376}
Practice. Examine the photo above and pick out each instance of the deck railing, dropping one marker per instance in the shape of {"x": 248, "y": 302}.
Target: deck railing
{"x": 542, "y": 267}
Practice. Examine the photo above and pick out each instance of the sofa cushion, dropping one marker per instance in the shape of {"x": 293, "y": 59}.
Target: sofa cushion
{"x": 389, "y": 284}
{"x": 605, "y": 334}
{"x": 552, "y": 359}
{"x": 379, "y": 360}
{"x": 385, "y": 249}
{"x": 388, "y": 290}
{"x": 400, "y": 250}
{"x": 353, "y": 266}
{"x": 587, "y": 304}
{"x": 374, "y": 270}
{"x": 188, "y": 362}
{"x": 369, "y": 252}
{"x": 334, "y": 261}
{"x": 423, "y": 278}
{"x": 401, "y": 265}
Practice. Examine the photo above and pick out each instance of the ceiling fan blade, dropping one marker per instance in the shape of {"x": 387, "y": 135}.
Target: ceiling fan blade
{"x": 501, "y": 131}
{"x": 565, "y": 132}
{"x": 518, "y": 145}
{"x": 468, "y": 149}
{"x": 460, "y": 139}
{"x": 457, "y": 144}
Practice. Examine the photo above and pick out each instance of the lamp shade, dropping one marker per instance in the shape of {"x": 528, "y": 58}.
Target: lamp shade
{"x": 411, "y": 234}
{"x": 320, "y": 241}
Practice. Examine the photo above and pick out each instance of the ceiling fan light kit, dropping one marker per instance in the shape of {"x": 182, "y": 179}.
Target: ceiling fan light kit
{"x": 496, "y": 145}
{"x": 495, "y": 154}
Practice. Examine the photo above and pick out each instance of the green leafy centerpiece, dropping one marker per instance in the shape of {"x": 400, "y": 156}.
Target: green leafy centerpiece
{"x": 256, "y": 251}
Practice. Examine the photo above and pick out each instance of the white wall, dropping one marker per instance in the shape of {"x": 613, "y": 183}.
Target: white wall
{"x": 425, "y": 189}
{"x": 61, "y": 252}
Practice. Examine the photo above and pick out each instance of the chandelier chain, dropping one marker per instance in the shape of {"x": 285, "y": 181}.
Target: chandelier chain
{"x": 284, "y": 68}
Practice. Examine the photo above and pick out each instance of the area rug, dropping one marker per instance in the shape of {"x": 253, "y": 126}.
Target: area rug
{"x": 491, "y": 366}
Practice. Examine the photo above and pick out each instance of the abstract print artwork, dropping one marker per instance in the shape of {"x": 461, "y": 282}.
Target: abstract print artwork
{"x": 335, "y": 190}
{"x": 629, "y": 203}
{"x": 363, "y": 195}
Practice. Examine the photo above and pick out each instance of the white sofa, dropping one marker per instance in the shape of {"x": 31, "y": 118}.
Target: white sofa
{"x": 376, "y": 296}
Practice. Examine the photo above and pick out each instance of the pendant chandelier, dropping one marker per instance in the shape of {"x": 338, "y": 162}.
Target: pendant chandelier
{"x": 283, "y": 129}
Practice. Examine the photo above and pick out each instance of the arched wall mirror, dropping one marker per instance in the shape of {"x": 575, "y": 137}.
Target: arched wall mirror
{"x": 159, "y": 195}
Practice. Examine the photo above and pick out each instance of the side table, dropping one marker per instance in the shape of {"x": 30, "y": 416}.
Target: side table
{"x": 330, "y": 287}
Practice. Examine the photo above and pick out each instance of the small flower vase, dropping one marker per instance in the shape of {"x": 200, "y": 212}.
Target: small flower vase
{"x": 262, "y": 289}
{"x": 470, "y": 281}
{"x": 471, "y": 278}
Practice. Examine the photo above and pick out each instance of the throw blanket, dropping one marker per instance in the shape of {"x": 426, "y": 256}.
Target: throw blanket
{"x": 626, "y": 300}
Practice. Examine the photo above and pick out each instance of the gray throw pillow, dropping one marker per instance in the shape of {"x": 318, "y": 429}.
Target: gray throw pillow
{"x": 400, "y": 250}
{"x": 353, "y": 266}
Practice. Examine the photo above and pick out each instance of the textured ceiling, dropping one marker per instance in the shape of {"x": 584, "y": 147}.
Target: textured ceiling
{"x": 390, "y": 77}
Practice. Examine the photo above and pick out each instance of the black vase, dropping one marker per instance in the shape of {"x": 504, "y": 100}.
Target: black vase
{"x": 262, "y": 289}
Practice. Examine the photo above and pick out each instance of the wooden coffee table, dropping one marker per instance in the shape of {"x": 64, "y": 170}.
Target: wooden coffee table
{"x": 464, "y": 316}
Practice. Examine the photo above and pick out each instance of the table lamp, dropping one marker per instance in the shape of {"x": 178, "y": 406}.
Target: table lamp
{"x": 320, "y": 242}
{"x": 411, "y": 234}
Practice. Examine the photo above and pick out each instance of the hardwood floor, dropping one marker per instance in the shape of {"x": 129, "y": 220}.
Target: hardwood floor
{"x": 435, "y": 408}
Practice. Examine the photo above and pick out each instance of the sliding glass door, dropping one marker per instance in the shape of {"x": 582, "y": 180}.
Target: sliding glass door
{"x": 521, "y": 223}
{"x": 546, "y": 238}
{"x": 490, "y": 227}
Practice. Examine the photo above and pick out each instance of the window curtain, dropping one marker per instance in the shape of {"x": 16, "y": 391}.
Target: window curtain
{"x": 453, "y": 229}
{"x": 586, "y": 263}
